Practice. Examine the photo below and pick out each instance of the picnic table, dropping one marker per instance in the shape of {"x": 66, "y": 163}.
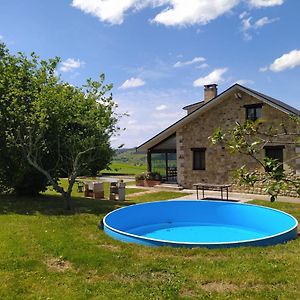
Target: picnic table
{"x": 212, "y": 187}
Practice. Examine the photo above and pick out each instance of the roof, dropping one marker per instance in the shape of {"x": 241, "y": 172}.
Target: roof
{"x": 193, "y": 104}
{"x": 292, "y": 110}
{"x": 172, "y": 128}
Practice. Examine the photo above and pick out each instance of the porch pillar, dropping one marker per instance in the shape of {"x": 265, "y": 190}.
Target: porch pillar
{"x": 149, "y": 167}
{"x": 180, "y": 157}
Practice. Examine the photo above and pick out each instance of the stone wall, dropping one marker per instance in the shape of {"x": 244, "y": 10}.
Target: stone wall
{"x": 260, "y": 189}
{"x": 219, "y": 162}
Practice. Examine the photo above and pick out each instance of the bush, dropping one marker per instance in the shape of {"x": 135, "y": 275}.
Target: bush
{"x": 141, "y": 176}
{"x": 148, "y": 176}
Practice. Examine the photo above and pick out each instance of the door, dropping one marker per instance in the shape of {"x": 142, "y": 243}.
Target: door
{"x": 171, "y": 167}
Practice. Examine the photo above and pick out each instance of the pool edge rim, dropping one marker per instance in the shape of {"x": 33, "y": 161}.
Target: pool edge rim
{"x": 206, "y": 244}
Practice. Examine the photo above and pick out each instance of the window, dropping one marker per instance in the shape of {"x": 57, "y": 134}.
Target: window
{"x": 198, "y": 158}
{"x": 253, "y": 111}
{"x": 275, "y": 152}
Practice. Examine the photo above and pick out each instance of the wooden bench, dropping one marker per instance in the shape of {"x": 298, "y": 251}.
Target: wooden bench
{"x": 212, "y": 187}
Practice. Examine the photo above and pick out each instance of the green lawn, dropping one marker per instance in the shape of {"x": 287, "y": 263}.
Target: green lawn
{"x": 75, "y": 193}
{"x": 47, "y": 254}
{"x": 118, "y": 168}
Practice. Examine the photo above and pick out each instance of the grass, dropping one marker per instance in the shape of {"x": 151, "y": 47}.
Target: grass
{"x": 48, "y": 254}
{"x": 118, "y": 168}
{"x": 156, "y": 196}
{"x": 75, "y": 193}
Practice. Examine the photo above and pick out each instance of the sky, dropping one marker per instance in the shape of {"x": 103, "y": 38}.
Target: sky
{"x": 159, "y": 53}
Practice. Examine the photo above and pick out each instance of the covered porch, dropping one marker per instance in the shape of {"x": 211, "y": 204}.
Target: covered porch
{"x": 161, "y": 158}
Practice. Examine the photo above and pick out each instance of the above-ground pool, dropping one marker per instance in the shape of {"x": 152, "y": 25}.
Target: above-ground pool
{"x": 200, "y": 223}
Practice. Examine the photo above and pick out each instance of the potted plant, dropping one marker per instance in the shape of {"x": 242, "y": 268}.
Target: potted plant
{"x": 152, "y": 179}
{"x": 139, "y": 179}
{"x": 148, "y": 179}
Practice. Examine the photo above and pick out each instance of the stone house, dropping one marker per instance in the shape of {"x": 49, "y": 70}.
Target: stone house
{"x": 183, "y": 153}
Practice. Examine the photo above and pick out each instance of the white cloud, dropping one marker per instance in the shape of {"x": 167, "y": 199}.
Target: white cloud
{"x": 70, "y": 64}
{"x": 163, "y": 115}
{"x": 111, "y": 11}
{"x": 203, "y": 66}
{"x": 161, "y": 107}
{"x": 190, "y": 12}
{"x": 243, "y": 15}
{"x": 265, "y": 3}
{"x": 247, "y": 24}
{"x": 213, "y": 77}
{"x": 175, "y": 12}
{"x": 172, "y": 13}
{"x": 132, "y": 83}
{"x": 264, "y": 21}
{"x": 1, "y": 37}
{"x": 286, "y": 61}
{"x": 263, "y": 69}
{"x": 149, "y": 123}
{"x": 195, "y": 60}
{"x": 244, "y": 82}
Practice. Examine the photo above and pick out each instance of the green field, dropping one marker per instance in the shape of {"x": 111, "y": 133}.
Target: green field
{"x": 130, "y": 156}
{"x": 46, "y": 253}
{"x": 127, "y": 162}
{"x": 124, "y": 169}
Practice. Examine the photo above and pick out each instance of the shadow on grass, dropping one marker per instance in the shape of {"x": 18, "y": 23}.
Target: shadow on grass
{"x": 54, "y": 205}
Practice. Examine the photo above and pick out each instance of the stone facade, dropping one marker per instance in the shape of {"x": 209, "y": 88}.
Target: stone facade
{"x": 219, "y": 162}
{"x": 192, "y": 132}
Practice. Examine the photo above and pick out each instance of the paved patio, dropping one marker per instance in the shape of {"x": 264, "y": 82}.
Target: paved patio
{"x": 241, "y": 197}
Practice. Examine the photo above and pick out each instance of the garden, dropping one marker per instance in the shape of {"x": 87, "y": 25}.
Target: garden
{"x": 48, "y": 253}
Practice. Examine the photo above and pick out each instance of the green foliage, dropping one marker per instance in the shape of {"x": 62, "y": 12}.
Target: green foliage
{"x": 148, "y": 176}
{"x": 241, "y": 138}
{"x": 250, "y": 139}
{"x": 245, "y": 177}
{"x": 217, "y": 136}
{"x": 50, "y": 128}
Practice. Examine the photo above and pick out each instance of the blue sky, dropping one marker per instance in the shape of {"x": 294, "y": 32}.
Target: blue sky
{"x": 159, "y": 53}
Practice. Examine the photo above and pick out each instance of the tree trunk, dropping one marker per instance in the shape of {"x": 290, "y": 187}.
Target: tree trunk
{"x": 68, "y": 200}
{"x": 66, "y": 195}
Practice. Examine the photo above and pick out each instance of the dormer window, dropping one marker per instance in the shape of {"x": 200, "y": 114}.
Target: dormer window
{"x": 253, "y": 111}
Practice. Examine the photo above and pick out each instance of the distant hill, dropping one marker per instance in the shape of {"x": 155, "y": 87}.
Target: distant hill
{"x": 127, "y": 162}
{"x": 130, "y": 157}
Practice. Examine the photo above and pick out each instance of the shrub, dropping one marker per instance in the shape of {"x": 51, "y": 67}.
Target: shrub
{"x": 148, "y": 176}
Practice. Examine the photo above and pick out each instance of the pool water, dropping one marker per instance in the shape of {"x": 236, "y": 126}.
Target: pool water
{"x": 200, "y": 233}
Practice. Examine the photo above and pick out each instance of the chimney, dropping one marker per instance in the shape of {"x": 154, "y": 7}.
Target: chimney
{"x": 210, "y": 92}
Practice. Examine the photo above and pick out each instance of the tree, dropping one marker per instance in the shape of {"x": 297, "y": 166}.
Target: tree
{"x": 250, "y": 139}
{"x": 50, "y": 128}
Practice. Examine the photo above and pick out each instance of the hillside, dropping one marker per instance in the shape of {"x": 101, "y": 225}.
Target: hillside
{"x": 127, "y": 162}
{"x": 130, "y": 157}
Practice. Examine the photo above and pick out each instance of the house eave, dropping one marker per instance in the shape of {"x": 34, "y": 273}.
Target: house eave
{"x": 174, "y": 127}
